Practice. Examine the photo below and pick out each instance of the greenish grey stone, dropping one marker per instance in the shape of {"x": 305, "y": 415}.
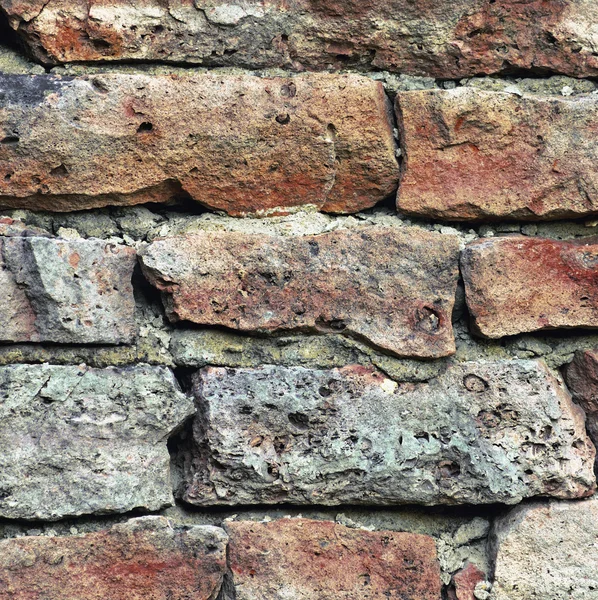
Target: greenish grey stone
{"x": 482, "y": 432}
{"x": 13, "y": 63}
{"x": 77, "y": 440}
{"x": 203, "y": 347}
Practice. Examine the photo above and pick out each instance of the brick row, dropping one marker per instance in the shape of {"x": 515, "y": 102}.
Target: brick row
{"x": 238, "y": 143}
{"x": 153, "y": 557}
{"x": 442, "y": 38}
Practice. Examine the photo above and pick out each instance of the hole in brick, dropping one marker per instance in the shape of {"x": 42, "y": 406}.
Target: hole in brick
{"x": 447, "y": 469}
{"x": 428, "y": 319}
{"x": 288, "y": 90}
{"x": 10, "y": 140}
{"x": 323, "y": 324}
{"x": 299, "y": 420}
{"x": 59, "y": 171}
{"x": 145, "y": 127}
{"x": 475, "y": 384}
{"x": 283, "y": 118}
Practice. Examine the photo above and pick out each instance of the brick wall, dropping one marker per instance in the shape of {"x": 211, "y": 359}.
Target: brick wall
{"x": 298, "y": 300}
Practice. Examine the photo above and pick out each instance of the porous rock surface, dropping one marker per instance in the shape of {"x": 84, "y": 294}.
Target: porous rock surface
{"x": 581, "y": 376}
{"x": 547, "y": 550}
{"x": 321, "y": 560}
{"x": 472, "y": 154}
{"x": 139, "y": 559}
{"x": 66, "y": 291}
{"x": 237, "y": 143}
{"x": 440, "y": 38}
{"x": 77, "y": 440}
{"x": 393, "y": 287}
{"x": 517, "y": 284}
{"x": 482, "y": 432}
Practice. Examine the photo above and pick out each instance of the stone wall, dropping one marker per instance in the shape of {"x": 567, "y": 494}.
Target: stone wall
{"x": 298, "y": 300}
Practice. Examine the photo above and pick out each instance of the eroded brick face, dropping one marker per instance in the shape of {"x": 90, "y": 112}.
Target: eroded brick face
{"x": 519, "y": 284}
{"x": 321, "y": 560}
{"x": 481, "y": 155}
{"x": 445, "y": 38}
{"x": 581, "y": 376}
{"x": 392, "y": 287}
{"x": 142, "y": 558}
{"x": 237, "y": 143}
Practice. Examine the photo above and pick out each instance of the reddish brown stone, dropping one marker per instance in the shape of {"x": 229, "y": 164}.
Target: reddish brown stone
{"x": 472, "y": 154}
{"x": 392, "y": 287}
{"x": 237, "y": 143}
{"x": 465, "y": 582}
{"x": 581, "y": 376}
{"x": 441, "y": 38}
{"x": 137, "y": 560}
{"x": 320, "y": 560}
{"x": 518, "y": 284}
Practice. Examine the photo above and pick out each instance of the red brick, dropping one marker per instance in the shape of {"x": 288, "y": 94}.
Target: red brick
{"x": 520, "y": 284}
{"x": 441, "y": 38}
{"x": 465, "y": 582}
{"x": 473, "y": 154}
{"x": 237, "y": 143}
{"x": 320, "y": 560}
{"x": 392, "y": 287}
{"x": 137, "y": 560}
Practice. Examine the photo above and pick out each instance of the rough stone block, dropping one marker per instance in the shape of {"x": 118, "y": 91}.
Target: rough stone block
{"x": 482, "y": 432}
{"x": 394, "y": 288}
{"x": 66, "y": 291}
{"x": 581, "y": 376}
{"x": 140, "y": 559}
{"x": 238, "y": 143}
{"x": 547, "y": 550}
{"x": 519, "y": 284}
{"x": 473, "y": 154}
{"x": 440, "y": 38}
{"x": 76, "y": 440}
{"x": 320, "y": 560}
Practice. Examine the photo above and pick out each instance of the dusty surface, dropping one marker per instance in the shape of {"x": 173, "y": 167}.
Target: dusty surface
{"x": 480, "y": 433}
{"x": 446, "y": 38}
{"x": 547, "y": 550}
{"x": 66, "y": 291}
{"x": 321, "y": 560}
{"x": 394, "y": 288}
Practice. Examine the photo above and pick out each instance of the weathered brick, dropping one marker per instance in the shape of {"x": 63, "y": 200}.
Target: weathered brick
{"x": 482, "y": 432}
{"x": 392, "y": 287}
{"x": 237, "y": 143}
{"x": 76, "y": 440}
{"x": 547, "y": 550}
{"x": 441, "y": 38}
{"x": 320, "y": 560}
{"x": 518, "y": 284}
{"x": 474, "y": 154}
{"x": 581, "y": 376}
{"x": 466, "y": 581}
{"x": 140, "y": 559}
{"x": 66, "y": 291}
